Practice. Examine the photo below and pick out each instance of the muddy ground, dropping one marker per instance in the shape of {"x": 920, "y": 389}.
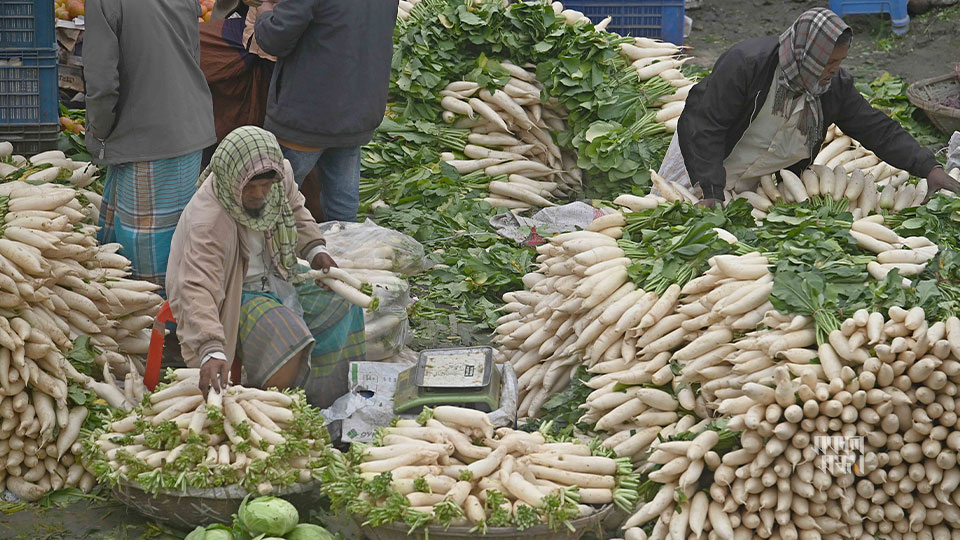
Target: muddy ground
{"x": 930, "y": 48}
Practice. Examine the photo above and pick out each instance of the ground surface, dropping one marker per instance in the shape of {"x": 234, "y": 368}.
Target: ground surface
{"x": 930, "y": 48}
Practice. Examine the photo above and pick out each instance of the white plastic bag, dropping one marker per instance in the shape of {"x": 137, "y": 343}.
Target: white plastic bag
{"x": 369, "y": 246}
{"x": 953, "y": 152}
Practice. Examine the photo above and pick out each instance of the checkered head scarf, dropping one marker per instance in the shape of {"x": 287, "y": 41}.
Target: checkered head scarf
{"x": 246, "y": 152}
{"x": 805, "y": 50}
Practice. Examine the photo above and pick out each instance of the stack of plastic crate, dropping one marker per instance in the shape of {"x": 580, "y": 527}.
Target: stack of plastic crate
{"x": 29, "y": 110}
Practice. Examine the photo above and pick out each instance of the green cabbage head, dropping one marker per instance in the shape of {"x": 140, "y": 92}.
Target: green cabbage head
{"x": 308, "y": 531}
{"x": 270, "y": 516}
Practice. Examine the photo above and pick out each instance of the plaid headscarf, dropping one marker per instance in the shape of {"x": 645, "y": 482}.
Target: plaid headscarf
{"x": 805, "y": 50}
{"x": 244, "y": 153}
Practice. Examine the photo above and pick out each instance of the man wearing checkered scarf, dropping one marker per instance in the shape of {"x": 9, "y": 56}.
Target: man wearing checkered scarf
{"x": 767, "y": 105}
{"x": 235, "y": 251}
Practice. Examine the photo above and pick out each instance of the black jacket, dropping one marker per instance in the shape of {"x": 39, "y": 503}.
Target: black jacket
{"x": 721, "y": 107}
{"x": 329, "y": 88}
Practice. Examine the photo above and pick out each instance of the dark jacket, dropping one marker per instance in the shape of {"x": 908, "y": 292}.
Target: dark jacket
{"x": 329, "y": 88}
{"x": 721, "y": 107}
{"x": 146, "y": 95}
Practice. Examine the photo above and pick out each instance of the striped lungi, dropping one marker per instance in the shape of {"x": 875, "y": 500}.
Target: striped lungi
{"x": 271, "y": 335}
{"x": 142, "y": 203}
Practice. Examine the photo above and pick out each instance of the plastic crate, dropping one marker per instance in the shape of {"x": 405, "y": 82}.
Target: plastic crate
{"x": 30, "y": 139}
{"x": 658, "y": 19}
{"x": 896, "y": 8}
{"x": 26, "y": 24}
{"x": 28, "y": 87}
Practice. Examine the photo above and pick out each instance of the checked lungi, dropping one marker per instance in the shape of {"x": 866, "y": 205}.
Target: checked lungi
{"x": 142, "y": 203}
{"x": 271, "y": 335}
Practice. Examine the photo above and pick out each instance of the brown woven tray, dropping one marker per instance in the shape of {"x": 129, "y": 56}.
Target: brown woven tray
{"x": 398, "y": 531}
{"x": 195, "y": 507}
{"x": 927, "y": 94}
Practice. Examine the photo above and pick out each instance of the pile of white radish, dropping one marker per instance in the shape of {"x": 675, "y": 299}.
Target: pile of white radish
{"x": 510, "y": 136}
{"x": 56, "y": 285}
{"x": 45, "y": 167}
{"x": 180, "y": 439}
{"x": 436, "y": 461}
{"x": 677, "y": 374}
{"x": 885, "y": 387}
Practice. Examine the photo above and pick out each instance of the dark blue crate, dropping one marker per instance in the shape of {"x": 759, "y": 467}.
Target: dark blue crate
{"x": 30, "y": 139}
{"x": 658, "y": 19}
{"x": 26, "y": 24}
{"x": 896, "y": 8}
{"x": 28, "y": 87}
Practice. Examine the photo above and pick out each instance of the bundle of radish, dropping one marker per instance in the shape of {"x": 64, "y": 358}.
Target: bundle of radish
{"x": 840, "y": 188}
{"x": 510, "y": 137}
{"x": 839, "y": 149}
{"x": 428, "y": 471}
{"x": 656, "y": 60}
{"x": 344, "y": 283}
{"x": 259, "y": 440}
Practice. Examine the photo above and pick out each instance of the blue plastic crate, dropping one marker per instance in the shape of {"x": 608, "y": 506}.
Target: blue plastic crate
{"x": 30, "y": 139}
{"x": 658, "y": 19}
{"x": 896, "y": 8}
{"x": 26, "y": 24}
{"x": 28, "y": 87}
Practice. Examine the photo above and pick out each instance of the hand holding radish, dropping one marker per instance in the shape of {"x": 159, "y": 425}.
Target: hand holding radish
{"x": 937, "y": 180}
{"x": 215, "y": 373}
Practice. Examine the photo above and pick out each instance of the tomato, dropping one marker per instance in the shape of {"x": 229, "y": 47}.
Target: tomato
{"x": 75, "y": 7}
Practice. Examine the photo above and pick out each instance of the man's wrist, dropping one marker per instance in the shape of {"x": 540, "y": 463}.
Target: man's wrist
{"x": 217, "y": 355}
{"x": 316, "y": 251}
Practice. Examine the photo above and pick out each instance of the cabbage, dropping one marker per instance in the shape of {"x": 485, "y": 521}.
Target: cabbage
{"x": 218, "y": 533}
{"x": 308, "y": 531}
{"x": 268, "y": 516}
{"x": 197, "y": 534}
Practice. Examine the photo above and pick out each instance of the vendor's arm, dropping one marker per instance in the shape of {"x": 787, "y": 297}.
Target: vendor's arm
{"x": 713, "y": 107}
{"x": 886, "y": 138}
{"x": 278, "y": 31}
{"x": 101, "y": 65}
{"x": 198, "y": 294}
{"x": 310, "y": 243}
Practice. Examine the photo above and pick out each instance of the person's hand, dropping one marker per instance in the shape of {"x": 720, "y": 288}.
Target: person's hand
{"x": 214, "y": 374}
{"x": 709, "y": 203}
{"x": 253, "y": 3}
{"x": 939, "y": 179}
{"x": 323, "y": 262}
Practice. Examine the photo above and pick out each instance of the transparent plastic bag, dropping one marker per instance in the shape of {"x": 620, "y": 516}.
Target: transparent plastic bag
{"x": 953, "y": 151}
{"x": 387, "y": 329}
{"x": 370, "y": 246}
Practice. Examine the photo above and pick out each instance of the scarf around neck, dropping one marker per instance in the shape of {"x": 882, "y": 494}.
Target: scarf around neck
{"x": 805, "y": 50}
{"x": 244, "y": 153}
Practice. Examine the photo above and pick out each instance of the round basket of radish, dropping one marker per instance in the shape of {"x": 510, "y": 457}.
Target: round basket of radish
{"x": 185, "y": 459}
{"x": 401, "y": 531}
{"x": 450, "y": 474}
{"x": 193, "y": 507}
{"x": 785, "y": 367}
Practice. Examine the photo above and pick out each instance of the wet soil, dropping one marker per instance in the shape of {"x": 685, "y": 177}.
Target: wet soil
{"x": 931, "y": 46}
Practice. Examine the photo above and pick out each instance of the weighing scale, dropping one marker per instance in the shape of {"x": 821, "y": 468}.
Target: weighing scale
{"x": 464, "y": 377}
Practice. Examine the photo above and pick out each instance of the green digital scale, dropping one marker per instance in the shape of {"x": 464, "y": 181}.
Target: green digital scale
{"x": 464, "y": 377}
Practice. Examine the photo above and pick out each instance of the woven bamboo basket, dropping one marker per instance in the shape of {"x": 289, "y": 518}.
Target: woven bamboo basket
{"x": 928, "y": 95}
{"x": 398, "y": 531}
{"x": 195, "y": 507}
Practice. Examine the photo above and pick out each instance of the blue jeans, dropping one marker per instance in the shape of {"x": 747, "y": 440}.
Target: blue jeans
{"x": 339, "y": 172}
